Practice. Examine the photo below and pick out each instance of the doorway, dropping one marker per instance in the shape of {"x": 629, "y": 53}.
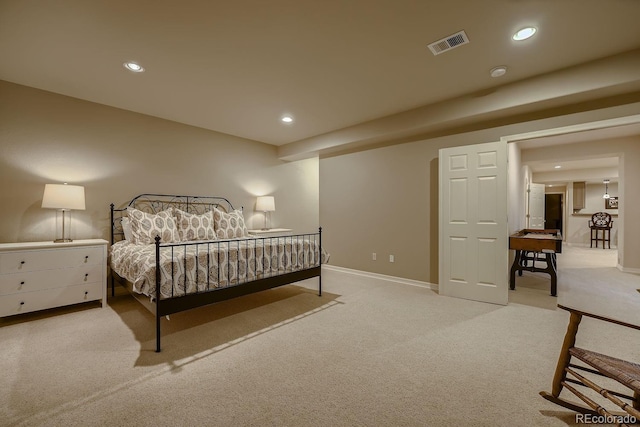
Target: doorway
{"x": 553, "y": 211}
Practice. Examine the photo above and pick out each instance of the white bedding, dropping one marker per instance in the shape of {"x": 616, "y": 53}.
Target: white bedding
{"x": 219, "y": 263}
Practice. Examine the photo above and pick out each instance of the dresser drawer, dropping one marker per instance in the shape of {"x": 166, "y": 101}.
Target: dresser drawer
{"x": 39, "y": 300}
{"x": 46, "y": 259}
{"x": 46, "y": 279}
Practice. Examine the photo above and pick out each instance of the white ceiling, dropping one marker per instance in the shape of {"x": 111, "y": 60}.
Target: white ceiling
{"x": 237, "y": 66}
{"x": 573, "y": 165}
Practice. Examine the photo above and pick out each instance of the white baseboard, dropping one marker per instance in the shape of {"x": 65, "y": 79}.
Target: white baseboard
{"x": 628, "y": 270}
{"x": 585, "y": 245}
{"x": 371, "y": 275}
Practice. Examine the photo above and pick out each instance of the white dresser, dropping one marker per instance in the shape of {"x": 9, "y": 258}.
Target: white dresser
{"x": 40, "y": 275}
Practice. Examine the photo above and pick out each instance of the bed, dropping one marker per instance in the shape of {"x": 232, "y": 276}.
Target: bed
{"x": 175, "y": 253}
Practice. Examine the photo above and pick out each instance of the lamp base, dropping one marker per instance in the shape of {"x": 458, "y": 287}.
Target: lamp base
{"x": 62, "y": 241}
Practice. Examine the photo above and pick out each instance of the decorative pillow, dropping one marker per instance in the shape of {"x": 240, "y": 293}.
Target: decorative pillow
{"x": 145, "y": 226}
{"x": 126, "y": 229}
{"x": 229, "y": 225}
{"x": 195, "y": 227}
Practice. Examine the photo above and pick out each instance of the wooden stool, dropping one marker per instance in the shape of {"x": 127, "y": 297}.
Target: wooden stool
{"x": 601, "y": 221}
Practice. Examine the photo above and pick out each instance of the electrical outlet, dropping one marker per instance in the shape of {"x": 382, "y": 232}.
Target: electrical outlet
{"x": 392, "y": 258}
{"x": 374, "y": 256}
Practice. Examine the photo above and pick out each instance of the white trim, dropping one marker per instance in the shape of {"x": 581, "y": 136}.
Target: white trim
{"x": 371, "y": 275}
{"x": 628, "y": 270}
{"x": 576, "y": 244}
{"x": 586, "y": 245}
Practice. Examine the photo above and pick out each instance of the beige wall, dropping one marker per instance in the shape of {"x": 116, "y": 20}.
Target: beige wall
{"x": 385, "y": 200}
{"x": 629, "y": 207}
{"x": 117, "y": 154}
{"x": 517, "y": 183}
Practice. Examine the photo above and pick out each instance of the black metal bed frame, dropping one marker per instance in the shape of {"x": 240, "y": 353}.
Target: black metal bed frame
{"x": 154, "y": 203}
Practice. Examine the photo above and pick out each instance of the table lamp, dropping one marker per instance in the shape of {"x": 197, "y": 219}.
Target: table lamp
{"x": 63, "y": 197}
{"x": 266, "y": 204}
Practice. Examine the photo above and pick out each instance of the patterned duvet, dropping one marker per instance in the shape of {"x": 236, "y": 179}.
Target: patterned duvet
{"x": 202, "y": 266}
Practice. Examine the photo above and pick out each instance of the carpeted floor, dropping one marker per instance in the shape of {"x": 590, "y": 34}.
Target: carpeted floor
{"x": 368, "y": 353}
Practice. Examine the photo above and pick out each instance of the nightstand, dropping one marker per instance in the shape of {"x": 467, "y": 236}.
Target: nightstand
{"x": 271, "y": 232}
{"x": 40, "y": 275}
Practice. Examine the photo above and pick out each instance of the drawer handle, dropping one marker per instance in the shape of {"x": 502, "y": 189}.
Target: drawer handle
{"x": 22, "y": 263}
{"x": 86, "y": 258}
{"x": 21, "y": 302}
{"x": 85, "y": 276}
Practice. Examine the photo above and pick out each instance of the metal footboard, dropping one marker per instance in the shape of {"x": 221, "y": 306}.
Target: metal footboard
{"x": 258, "y": 273}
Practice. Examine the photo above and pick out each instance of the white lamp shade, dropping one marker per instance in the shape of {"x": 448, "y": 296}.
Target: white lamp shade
{"x": 62, "y": 196}
{"x": 266, "y": 204}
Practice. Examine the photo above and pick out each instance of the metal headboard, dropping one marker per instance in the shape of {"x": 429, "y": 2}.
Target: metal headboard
{"x": 154, "y": 203}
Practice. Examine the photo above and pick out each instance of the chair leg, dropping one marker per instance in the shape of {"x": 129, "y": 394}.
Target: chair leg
{"x": 602, "y": 240}
{"x": 565, "y": 358}
{"x": 598, "y": 238}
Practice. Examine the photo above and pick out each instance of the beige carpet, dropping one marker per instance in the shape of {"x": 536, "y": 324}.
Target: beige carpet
{"x": 368, "y": 353}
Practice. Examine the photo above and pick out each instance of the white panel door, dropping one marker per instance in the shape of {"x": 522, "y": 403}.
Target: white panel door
{"x": 474, "y": 249}
{"x": 536, "y": 206}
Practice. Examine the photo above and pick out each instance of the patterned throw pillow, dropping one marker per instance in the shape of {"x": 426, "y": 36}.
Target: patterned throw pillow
{"x": 229, "y": 225}
{"x": 145, "y": 226}
{"x": 195, "y": 227}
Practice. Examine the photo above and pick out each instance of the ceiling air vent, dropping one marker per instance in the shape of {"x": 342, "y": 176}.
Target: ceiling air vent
{"x": 448, "y": 43}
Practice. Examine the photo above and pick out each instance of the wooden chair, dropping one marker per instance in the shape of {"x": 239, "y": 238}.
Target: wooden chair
{"x": 625, "y": 373}
{"x": 601, "y": 221}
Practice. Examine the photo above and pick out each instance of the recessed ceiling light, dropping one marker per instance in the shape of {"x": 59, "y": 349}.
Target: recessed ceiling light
{"x": 524, "y": 33}
{"x": 498, "y": 71}
{"x": 557, "y": 166}
{"x": 132, "y": 66}
{"x": 287, "y": 119}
